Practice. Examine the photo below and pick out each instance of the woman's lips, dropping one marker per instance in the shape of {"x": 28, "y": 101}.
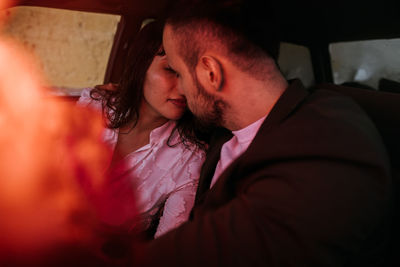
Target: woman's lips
{"x": 179, "y": 102}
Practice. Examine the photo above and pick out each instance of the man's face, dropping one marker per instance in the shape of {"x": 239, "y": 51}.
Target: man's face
{"x": 205, "y": 106}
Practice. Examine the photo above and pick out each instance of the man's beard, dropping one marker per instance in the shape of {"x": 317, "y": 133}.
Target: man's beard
{"x": 214, "y": 115}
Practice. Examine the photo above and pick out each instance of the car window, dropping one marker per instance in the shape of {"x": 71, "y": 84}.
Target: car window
{"x": 72, "y": 47}
{"x": 366, "y": 63}
{"x": 295, "y": 62}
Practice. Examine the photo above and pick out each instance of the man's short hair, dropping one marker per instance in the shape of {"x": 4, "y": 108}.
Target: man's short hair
{"x": 246, "y": 31}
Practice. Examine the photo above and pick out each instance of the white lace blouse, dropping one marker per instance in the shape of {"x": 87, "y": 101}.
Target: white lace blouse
{"x": 162, "y": 174}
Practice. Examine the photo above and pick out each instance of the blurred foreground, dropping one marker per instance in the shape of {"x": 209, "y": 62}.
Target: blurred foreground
{"x": 53, "y": 180}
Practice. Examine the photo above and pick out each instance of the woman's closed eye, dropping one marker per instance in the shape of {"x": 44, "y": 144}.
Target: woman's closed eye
{"x": 169, "y": 69}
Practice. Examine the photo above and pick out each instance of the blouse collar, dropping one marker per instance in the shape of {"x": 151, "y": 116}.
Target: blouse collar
{"x": 161, "y": 133}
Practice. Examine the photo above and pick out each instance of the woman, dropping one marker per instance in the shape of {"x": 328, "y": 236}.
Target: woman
{"x": 150, "y": 128}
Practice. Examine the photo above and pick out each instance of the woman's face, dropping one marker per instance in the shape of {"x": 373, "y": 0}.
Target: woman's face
{"x": 161, "y": 97}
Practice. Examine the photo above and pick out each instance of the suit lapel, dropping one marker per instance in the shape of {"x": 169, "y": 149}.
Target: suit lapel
{"x": 286, "y": 104}
{"x": 284, "y": 107}
{"x": 220, "y": 136}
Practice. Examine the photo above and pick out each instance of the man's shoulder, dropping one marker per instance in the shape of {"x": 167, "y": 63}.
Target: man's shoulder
{"x": 331, "y": 108}
{"x": 323, "y": 124}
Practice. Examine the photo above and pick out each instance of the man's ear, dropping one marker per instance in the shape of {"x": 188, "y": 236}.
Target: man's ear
{"x": 210, "y": 73}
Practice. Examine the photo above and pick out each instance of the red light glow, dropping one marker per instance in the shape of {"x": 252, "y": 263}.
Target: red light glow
{"x": 50, "y": 151}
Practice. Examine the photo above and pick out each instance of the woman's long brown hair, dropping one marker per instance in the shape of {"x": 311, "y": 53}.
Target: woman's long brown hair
{"x": 121, "y": 106}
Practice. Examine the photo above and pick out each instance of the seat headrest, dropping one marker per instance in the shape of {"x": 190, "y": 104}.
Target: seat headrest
{"x": 384, "y": 110}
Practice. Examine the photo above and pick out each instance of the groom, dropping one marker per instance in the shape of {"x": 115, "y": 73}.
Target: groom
{"x": 292, "y": 177}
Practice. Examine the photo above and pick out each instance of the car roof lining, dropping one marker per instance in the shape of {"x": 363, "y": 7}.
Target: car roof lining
{"x": 307, "y": 23}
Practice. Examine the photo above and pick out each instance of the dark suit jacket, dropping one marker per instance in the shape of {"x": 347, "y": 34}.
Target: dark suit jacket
{"x": 312, "y": 189}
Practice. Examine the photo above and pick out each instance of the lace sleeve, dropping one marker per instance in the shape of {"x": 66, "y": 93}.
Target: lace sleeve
{"x": 177, "y": 208}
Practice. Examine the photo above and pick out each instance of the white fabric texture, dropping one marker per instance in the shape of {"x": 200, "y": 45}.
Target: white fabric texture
{"x": 160, "y": 173}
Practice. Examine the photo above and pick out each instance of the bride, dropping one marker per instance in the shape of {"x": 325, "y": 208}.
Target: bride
{"x": 153, "y": 134}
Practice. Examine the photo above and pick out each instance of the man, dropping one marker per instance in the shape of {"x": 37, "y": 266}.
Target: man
{"x": 304, "y": 179}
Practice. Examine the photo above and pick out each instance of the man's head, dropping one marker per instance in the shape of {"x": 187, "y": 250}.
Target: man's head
{"x": 206, "y": 41}
{"x": 207, "y": 107}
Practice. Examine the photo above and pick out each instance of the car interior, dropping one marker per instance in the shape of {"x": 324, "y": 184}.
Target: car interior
{"x": 316, "y": 26}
